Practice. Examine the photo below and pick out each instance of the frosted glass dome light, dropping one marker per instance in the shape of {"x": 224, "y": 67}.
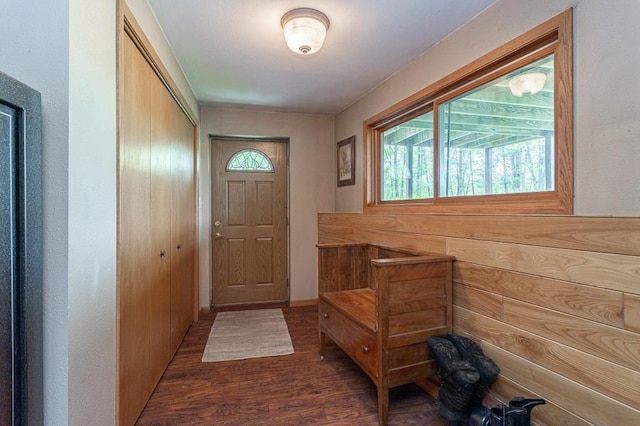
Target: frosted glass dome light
{"x": 529, "y": 82}
{"x": 304, "y": 30}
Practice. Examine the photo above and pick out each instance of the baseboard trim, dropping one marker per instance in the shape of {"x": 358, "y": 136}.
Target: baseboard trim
{"x": 301, "y": 303}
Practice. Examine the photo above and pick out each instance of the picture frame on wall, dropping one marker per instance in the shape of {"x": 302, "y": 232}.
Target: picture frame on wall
{"x": 346, "y": 161}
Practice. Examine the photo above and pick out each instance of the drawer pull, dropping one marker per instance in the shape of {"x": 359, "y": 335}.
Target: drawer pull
{"x": 325, "y": 315}
{"x": 365, "y": 349}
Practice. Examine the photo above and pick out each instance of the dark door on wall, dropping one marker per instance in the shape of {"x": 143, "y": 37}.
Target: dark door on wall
{"x": 20, "y": 255}
{"x": 7, "y": 256}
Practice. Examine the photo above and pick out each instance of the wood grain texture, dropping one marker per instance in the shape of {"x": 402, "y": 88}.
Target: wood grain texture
{"x": 342, "y": 268}
{"x": 568, "y": 287}
{"x": 632, "y": 312}
{"x": 433, "y": 244}
{"x": 604, "y": 270}
{"x": 548, "y": 415}
{"x": 416, "y": 321}
{"x": 421, "y": 335}
{"x": 134, "y": 237}
{"x": 298, "y": 389}
{"x": 591, "y": 405}
{"x": 249, "y": 207}
{"x": 603, "y": 376}
{"x": 163, "y": 123}
{"x": 358, "y": 304}
{"x": 382, "y": 324}
{"x": 356, "y": 340}
{"x": 609, "y": 343}
{"x": 407, "y": 373}
{"x": 412, "y": 354}
{"x": 156, "y": 207}
{"x": 588, "y": 302}
{"x": 333, "y": 221}
{"x": 417, "y": 295}
{"x": 183, "y": 227}
{"x": 599, "y": 234}
{"x": 482, "y": 302}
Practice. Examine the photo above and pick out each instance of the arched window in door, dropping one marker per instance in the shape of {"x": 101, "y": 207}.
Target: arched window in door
{"x": 249, "y": 160}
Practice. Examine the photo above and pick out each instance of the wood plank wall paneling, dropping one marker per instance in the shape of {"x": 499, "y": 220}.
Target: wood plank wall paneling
{"x": 555, "y": 301}
{"x": 588, "y": 302}
{"x": 609, "y": 235}
{"x": 632, "y": 312}
{"x": 604, "y": 270}
{"x": 606, "y": 377}
{"x": 586, "y": 403}
{"x": 549, "y": 414}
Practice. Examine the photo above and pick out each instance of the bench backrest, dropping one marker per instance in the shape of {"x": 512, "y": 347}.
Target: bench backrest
{"x": 348, "y": 266}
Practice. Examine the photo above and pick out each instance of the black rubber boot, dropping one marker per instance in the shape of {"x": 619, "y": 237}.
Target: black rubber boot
{"x": 528, "y": 404}
{"x": 459, "y": 380}
{"x": 472, "y": 352}
{"x": 480, "y": 416}
{"x": 507, "y": 416}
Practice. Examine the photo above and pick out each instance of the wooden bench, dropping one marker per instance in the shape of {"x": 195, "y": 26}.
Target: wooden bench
{"x": 380, "y": 304}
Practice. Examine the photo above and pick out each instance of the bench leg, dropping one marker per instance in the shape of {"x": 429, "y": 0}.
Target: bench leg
{"x": 383, "y": 404}
{"x": 322, "y": 337}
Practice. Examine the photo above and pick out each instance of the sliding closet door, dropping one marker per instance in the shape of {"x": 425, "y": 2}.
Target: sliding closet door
{"x": 156, "y": 234}
{"x": 134, "y": 236}
{"x": 163, "y": 124}
{"x": 183, "y": 228}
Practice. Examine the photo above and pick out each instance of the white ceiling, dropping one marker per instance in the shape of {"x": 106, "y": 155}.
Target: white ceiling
{"x": 234, "y": 55}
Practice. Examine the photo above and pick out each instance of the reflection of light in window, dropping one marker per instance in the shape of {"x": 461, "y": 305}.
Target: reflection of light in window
{"x": 249, "y": 160}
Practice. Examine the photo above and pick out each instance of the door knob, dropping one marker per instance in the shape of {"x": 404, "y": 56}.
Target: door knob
{"x": 217, "y": 223}
{"x": 218, "y": 236}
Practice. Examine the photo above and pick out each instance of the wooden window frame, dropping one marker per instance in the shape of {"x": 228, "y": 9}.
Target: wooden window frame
{"x": 555, "y": 36}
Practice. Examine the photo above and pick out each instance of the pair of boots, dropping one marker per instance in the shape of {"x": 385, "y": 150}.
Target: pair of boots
{"x": 466, "y": 375}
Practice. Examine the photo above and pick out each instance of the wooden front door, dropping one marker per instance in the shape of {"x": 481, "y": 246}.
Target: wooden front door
{"x": 249, "y": 221}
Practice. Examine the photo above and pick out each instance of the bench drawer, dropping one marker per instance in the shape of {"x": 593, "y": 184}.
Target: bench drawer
{"x": 358, "y": 342}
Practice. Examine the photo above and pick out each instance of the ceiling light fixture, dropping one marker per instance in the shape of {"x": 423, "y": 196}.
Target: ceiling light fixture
{"x": 528, "y": 82}
{"x": 304, "y": 30}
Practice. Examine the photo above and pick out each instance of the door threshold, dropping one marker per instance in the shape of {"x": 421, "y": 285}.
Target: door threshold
{"x": 249, "y": 306}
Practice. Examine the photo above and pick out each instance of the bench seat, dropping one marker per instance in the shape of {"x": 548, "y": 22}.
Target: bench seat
{"x": 380, "y": 304}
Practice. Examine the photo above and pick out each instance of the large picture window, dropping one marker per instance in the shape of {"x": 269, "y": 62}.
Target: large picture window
{"x": 407, "y": 160}
{"x": 498, "y": 138}
{"x": 494, "y": 137}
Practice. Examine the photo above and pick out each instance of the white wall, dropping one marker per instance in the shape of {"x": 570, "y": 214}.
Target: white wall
{"x": 66, "y": 49}
{"x": 34, "y": 50}
{"x": 311, "y": 188}
{"x": 92, "y": 212}
{"x": 606, "y": 107}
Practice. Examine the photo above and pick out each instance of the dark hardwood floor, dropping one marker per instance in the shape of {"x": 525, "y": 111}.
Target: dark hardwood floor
{"x": 297, "y": 389}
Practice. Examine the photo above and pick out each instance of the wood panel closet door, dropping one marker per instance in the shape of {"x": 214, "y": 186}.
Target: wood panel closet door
{"x": 182, "y": 228}
{"x": 156, "y": 233}
{"x": 163, "y": 124}
{"x": 134, "y": 236}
